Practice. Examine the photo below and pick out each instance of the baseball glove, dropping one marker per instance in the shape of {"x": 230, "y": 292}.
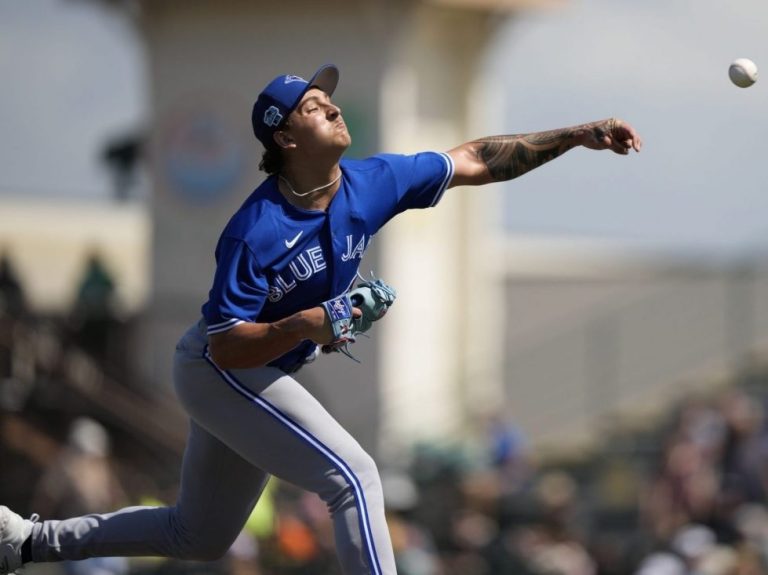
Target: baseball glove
{"x": 373, "y": 298}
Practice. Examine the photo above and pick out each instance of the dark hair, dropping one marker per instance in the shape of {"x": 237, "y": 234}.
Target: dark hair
{"x": 271, "y": 161}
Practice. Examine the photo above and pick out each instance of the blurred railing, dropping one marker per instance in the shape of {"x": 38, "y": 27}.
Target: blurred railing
{"x": 38, "y": 354}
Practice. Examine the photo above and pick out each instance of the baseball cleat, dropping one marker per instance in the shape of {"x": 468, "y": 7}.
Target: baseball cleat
{"x": 14, "y": 530}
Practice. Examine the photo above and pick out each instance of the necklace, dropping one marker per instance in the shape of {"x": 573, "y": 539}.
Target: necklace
{"x": 313, "y": 190}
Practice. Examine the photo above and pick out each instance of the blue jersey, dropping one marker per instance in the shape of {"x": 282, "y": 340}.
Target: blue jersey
{"x": 274, "y": 259}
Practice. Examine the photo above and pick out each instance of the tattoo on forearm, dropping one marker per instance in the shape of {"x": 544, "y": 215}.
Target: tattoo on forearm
{"x": 508, "y": 157}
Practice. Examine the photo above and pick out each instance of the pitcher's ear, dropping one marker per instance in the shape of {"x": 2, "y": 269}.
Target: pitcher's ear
{"x": 283, "y": 139}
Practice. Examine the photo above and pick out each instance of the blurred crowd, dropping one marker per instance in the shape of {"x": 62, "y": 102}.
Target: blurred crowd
{"x": 684, "y": 497}
{"x": 686, "y": 494}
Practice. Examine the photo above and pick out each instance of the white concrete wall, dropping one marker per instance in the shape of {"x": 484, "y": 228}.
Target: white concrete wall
{"x": 439, "y": 348}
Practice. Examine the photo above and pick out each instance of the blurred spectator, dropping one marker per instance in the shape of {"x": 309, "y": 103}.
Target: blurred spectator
{"x": 245, "y": 553}
{"x": 557, "y": 547}
{"x": 704, "y": 426}
{"x": 302, "y": 541}
{"x": 745, "y": 453}
{"x": 12, "y": 299}
{"x": 437, "y": 473}
{"x": 510, "y": 453}
{"x": 685, "y": 490}
{"x": 662, "y": 563}
{"x": 693, "y": 543}
{"x": 545, "y": 552}
{"x": 751, "y": 520}
{"x": 719, "y": 560}
{"x": 16, "y": 357}
{"x": 12, "y": 307}
{"x": 81, "y": 481}
{"x": 94, "y": 316}
{"x": 415, "y": 552}
{"x": 558, "y": 498}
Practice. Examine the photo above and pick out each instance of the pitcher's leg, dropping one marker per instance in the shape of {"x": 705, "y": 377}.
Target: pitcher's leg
{"x": 292, "y": 436}
{"x": 218, "y": 492}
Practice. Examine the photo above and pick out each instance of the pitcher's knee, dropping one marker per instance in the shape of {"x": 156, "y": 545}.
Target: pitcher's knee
{"x": 360, "y": 477}
{"x": 367, "y": 473}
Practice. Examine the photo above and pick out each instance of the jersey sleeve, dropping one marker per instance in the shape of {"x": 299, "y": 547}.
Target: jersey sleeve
{"x": 239, "y": 288}
{"x": 421, "y": 179}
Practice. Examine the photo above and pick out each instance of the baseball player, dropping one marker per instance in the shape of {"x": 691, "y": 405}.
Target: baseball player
{"x": 286, "y": 263}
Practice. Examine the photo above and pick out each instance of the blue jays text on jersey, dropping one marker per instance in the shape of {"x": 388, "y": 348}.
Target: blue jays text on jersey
{"x": 274, "y": 259}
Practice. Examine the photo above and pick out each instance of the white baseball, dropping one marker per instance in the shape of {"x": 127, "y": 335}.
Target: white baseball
{"x": 743, "y": 72}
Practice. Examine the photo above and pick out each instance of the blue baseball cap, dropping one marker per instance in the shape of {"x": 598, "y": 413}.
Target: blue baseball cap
{"x": 280, "y": 98}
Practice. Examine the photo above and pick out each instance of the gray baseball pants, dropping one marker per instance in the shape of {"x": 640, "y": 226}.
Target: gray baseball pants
{"x": 245, "y": 425}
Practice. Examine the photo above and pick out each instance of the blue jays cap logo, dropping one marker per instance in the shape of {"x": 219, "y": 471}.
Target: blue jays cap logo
{"x": 273, "y": 117}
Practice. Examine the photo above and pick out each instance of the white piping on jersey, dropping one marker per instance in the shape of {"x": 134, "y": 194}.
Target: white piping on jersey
{"x": 223, "y": 326}
{"x": 446, "y": 180}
